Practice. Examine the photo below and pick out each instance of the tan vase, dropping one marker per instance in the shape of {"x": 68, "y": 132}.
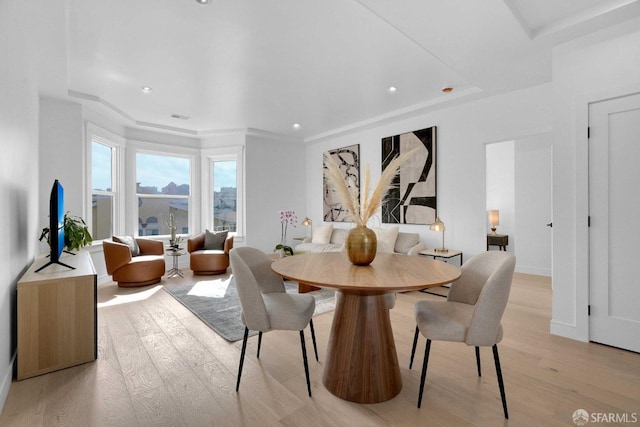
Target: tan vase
{"x": 362, "y": 245}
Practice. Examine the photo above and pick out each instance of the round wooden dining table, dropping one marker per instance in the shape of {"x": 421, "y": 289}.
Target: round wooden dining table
{"x": 361, "y": 361}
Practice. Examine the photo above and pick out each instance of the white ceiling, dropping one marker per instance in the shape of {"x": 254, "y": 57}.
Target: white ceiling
{"x": 327, "y": 65}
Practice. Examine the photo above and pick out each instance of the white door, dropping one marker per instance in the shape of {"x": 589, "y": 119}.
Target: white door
{"x": 614, "y": 209}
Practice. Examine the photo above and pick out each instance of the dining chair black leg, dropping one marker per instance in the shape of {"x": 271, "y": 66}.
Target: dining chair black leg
{"x": 500, "y": 382}
{"x": 413, "y": 349}
{"x": 424, "y": 370}
{"x": 478, "y": 361}
{"x": 244, "y": 348}
{"x": 313, "y": 338}
{"x": 304, "y": 357}
{"x": 259, "y": 343}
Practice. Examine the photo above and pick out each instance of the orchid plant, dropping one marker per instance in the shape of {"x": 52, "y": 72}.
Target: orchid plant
{"x": 286, "y": 218}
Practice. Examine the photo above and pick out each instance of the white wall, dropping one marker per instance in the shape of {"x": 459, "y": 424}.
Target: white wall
{"x": 463, "y": 132}
{"x": 275, "y": 180}
{"x": 500, "y": 185}
{"x": 593, "y": 68}
{"x": 61, "y": 157}
{"x": 18, "y": 170}
{"x": 533, "y": 203}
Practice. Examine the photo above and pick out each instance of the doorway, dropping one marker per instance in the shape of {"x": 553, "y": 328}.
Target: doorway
{"x": 519, "y": 185}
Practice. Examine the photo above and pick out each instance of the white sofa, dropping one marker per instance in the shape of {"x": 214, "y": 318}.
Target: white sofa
{"x": 389, "y": 240}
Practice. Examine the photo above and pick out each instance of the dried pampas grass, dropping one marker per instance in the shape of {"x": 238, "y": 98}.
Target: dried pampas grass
{"x": 360, "y": 209}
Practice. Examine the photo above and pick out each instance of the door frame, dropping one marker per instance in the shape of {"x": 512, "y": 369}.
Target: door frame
{"x": 582, "y": 285}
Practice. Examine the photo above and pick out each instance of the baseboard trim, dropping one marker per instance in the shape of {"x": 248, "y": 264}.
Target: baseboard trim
{"x": 564, "y": 330}
{"x": 537, "y": 271}
{"x": 6, "y": 381}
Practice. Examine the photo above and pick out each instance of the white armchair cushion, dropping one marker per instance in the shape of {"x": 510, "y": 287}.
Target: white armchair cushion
{"x": 322, "y": 234}
{"x": 384, "y": 248}
{"x": 406, "y": 241}
{"x": 387, "y": 237}
{"x": 417, "y": 248}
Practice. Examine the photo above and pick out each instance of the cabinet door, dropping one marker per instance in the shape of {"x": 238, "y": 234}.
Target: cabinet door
{"x": 56, "y": 325}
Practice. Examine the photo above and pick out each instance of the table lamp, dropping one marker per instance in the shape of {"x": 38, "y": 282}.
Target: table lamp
{"x": 494, "y": 220}
{"x": 438, "y": 225}
{"x": 308, "y": 223}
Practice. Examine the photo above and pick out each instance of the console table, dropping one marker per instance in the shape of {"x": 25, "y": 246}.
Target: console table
{"x": 443, "y": 255}
{"x": 450, "y": 253}
{"x": 57, "y": 316}
{"x": 500, "y": 240}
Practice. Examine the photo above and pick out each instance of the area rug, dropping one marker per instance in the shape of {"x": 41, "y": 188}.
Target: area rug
{"x": 217, "y": 304}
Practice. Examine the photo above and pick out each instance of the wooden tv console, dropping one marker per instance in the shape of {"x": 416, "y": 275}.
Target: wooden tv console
{"x": 57, "y": 316}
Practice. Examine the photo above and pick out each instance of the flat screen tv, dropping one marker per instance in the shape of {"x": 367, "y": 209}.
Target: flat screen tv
{"x": 56, "y": 226}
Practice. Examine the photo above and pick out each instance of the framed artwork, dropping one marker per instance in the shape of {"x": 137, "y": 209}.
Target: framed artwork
{"x": 412, "y": 200}
{"x": 348, "y": 159}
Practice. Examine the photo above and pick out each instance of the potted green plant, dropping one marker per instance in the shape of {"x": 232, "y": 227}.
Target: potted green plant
{"x": 76, "y": 233}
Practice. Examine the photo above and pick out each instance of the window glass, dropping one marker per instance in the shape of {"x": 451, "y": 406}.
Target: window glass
{"x": 102, "y": 216}
{"x": 165, "y": 175}
{"x": 102, "y": 194}
{"x": 163, "y": 189}
{"x": 224, "y": 195}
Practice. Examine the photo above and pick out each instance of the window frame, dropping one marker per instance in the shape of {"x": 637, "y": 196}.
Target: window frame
{"x": 222, "y": 154}
{"x": 117, "y": 145}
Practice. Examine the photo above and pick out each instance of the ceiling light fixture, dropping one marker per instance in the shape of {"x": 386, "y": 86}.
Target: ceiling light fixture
{"x": 447, "y": 89}
{"x": 180, "y": 116}
{"x": 202, "y": 1}
{"x": 146, "y": 89}
{"x": 296, "y": 125}
{"x": 392, "y": 89}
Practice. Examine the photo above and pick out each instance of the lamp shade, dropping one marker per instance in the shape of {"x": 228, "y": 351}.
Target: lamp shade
{"x": 307, "y": 221}
{"x": 494, "y": 217}
{"x": 437, "y": 225}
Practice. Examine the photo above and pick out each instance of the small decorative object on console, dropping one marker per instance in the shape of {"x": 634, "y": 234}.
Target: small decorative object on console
{"x": 494, "y": 220}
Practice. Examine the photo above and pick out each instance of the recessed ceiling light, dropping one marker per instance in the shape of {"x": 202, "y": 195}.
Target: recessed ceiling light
{"x": 447, "y": 89}
{"x": 202, "y": 1}
{"x": 296, "y": 125}
{"x": 146, "y": 89}
{"x": 180, "y": 116}
{"x": 392, "y": 89}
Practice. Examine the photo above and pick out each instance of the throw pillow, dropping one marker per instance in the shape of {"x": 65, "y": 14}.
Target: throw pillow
{"x": 383, "y": 248}
{"x": 129, "y": 241}
{"x": 215, "y": 240}
{"x": 387, "y": 237}
{"x": 322, "y": 234}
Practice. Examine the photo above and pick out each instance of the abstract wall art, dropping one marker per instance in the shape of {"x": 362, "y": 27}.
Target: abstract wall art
{"x": 412, "y": 200}
{"x": 348, "y": 159}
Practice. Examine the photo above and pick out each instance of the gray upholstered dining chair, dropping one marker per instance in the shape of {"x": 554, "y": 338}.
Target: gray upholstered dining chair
{"x": 472, "y": 312}
{"x": 266, "y": 305}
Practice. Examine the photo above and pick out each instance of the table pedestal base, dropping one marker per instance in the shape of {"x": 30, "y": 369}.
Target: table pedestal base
{"x": 362, "y": 363}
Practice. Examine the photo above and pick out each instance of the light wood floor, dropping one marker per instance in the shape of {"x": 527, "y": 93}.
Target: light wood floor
{"x": 159, "y": 365}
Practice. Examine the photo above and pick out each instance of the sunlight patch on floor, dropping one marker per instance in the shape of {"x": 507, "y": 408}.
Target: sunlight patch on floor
{"x": 106, "y": 297}
{"x": 216, "y": 288}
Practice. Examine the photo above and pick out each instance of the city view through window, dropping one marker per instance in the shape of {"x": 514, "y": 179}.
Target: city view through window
{"x": 163, "y": 188}
{"x": 225, "y": 195}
